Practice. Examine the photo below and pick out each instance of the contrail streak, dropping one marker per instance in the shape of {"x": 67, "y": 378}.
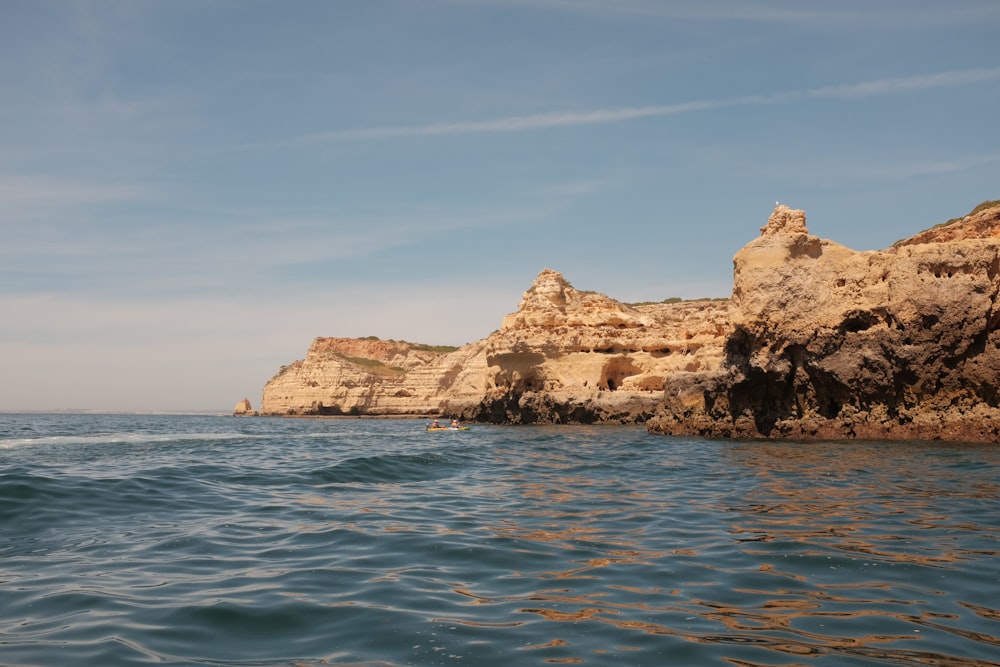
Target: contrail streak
{"x": 559, "y": 119}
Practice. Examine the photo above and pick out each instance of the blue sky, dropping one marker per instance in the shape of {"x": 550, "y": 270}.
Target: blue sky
{"x": 191, "y": 191}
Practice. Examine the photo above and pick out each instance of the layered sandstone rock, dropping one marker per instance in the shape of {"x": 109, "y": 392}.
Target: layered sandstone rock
{"x": 828, "y": 342}
{"x": 349, "y": 376}
{"x": 572, "y": 356}
{"x": 564, "y": 356}
{"x": 818, "y": 341}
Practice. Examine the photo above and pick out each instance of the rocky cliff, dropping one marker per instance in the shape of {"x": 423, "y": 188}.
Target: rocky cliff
{"x": 828, "y": 342}
{"x": 565, "y": 356}
{"x": 817, "y": 341}
{"x": 568, "y": 356}
{"x": 349, "y": 376}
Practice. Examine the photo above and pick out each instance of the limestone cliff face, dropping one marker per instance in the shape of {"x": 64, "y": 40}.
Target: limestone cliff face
{"x": 572, "y": 356}
{"x": 350, "y": 376}
{"x": 564, "y": 356}
{"x": 828, "y": 342}
{"x": 818, "y": 341}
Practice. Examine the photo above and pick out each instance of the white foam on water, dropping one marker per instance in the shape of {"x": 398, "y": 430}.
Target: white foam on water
{"x": 119, "y": 438}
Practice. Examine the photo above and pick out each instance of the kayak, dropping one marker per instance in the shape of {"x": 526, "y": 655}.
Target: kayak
{"x": 449, "y": 428}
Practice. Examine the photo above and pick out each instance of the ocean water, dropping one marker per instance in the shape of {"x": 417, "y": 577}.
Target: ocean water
{"x": 193, "y": 540}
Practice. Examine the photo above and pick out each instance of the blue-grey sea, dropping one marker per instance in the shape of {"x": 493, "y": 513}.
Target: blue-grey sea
{"x": 216, "y": 540}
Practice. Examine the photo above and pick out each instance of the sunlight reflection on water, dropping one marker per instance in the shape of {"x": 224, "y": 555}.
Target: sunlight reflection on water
{"x": 329, "y": 542}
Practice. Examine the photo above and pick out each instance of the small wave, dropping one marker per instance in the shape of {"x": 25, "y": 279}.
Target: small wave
{"x": 48, "y": 500}
{"x": 390, "y": 469}
{"x": 368, "y": 543}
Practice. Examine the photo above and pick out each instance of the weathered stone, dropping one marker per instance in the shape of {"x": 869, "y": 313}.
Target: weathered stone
{"x": 828, "y": 342}
{"x": 244, "y": 408}
{"x": 818, "y": 341}
{"x": 564, "y": 356}
{"x": 568, "y": 356}
{"x": 348, "y": 376}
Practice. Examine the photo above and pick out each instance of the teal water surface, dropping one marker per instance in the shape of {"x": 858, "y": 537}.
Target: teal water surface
{"x": 194, "y": 540}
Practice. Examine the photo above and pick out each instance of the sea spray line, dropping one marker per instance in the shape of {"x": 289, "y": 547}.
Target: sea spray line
{"x": 122, "y": 438}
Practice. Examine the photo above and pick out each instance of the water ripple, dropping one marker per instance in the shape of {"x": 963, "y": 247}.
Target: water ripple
{"x": 183, "y": 541}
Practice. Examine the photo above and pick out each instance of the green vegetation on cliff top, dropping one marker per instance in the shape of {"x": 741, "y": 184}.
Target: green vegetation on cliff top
{"x": 982, "y": 207}
{"x": 677, "y": 299}
{"x": 440, "y": 349}
{"x": 373, "y": 365}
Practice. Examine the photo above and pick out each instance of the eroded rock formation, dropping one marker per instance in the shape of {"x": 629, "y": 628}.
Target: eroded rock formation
{"x": 564, "y": 356}
{"x": 244, "y": 409}
{"x": 350, "y": 376}
{"x": 573, "y": 356}
{"x": 828, "y": 342}
{"x": 818, "y": 341}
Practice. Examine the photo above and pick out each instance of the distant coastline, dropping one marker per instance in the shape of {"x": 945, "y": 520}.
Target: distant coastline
{"x": 817, "y": 342}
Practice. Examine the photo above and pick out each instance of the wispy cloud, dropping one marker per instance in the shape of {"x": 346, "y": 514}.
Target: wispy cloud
{"x": 510, "y": 124}
{"x": 820, "y": 15}
{"x": 561, "y": 119}
{"x": 875, "y": 171}
{"x": 50, "y": 192}
{"x": 907, "y": 83}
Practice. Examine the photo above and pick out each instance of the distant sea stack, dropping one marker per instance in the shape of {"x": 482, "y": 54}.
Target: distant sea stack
{"x": 818, "y": 341}
{"x": 244, "y": 409}
{"x": 827, "y": 342}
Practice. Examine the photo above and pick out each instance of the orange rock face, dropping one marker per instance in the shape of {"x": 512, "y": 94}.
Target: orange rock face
{"x": 982, "y": 224}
